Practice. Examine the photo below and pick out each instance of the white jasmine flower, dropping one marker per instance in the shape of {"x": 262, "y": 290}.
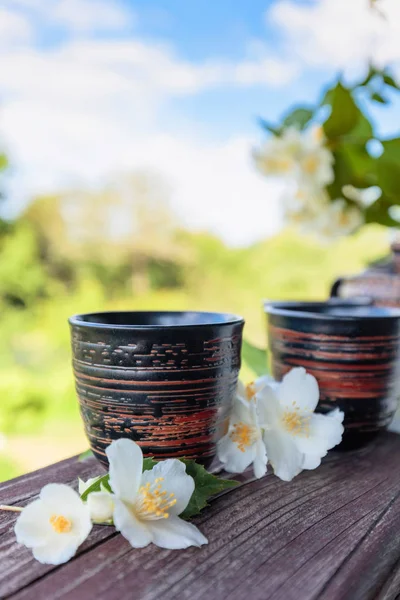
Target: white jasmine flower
{"x": 305, "y": 207}
{"x": 101, "y": 506}
{"x": 315, "y": 159}
{"x": 243, "y": 444}
{"x": 316, "y": 166}
{"x": 55, "y": 525}
{"x": 295, "y": 437}
{"x": 338, "y": 219}
{"x": 301, "y": 156}
{"x": 315, "y": 136}
{"x": 100, "y": 503}
{"x": 147, "y": 505}
{"x": 311, "y": 209}
{"x": 279, "y": 154}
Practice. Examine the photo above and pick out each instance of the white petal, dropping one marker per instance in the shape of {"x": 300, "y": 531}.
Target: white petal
{"x": 81, "y": 521}
{"x": 268, "y": 407}
{"x": 284, "y": 456}
{"x": 261, "y": 382}
{"x": 260, "y": 460}
{"x": 101, "y": 506}
{"x": 57, "y": 551}
{"x": 176, "y": 481}
{"x": 311, "y": 461}
{"x": 301, "y": 388}
{"x": 241, "y": 390}
{"x": 233, "y": 459}
{"x": 58, "y": 496}
{"x": 33, "y": 526}
{"x": 175, "y": 533}
{"x": 126, "y": 465}
{"x": 337, "y": 414}
{"x": 325, "y": 432}
{"x": 60, "y": 499}
{"x": 241, "y": 411}
{"x": 125, "y": 521}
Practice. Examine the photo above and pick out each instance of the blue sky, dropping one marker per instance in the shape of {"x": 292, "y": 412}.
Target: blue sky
{"x": 93, "y": 88}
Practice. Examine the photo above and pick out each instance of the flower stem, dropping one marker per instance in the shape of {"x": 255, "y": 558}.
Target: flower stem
{"x": 10, "y": 508}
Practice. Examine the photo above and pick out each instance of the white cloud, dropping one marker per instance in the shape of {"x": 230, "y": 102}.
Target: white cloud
{"x": 68, "y": 124}
{"x": 14, "y": 28}
{"x": 90, "y": 15}
{"x": 215, "y": 186}
{"x": 268, "y": 71}
{"x": 75, "y": 114}
{"x": 77, "y": 16}
{"x": 339, "y": 33}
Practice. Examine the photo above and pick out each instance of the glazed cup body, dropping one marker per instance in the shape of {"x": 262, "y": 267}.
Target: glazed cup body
{"x": 352, "y": 349}
{"x": 163, "y": 379}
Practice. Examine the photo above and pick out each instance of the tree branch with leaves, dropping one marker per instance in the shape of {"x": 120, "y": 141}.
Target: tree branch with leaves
{"x": 340, "y": 172}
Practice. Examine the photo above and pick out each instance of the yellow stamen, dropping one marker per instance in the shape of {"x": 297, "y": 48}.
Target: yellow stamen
{"x": 242, "y": 435}
{"x": 279, "y": 165}
{"x": 310, "y": 164}
{"x": 250, "y": 391}
{"x": 154, "y": 502}
{"x": 343, "y": 219}
{"x": 61, "y": 524}
{"x": 318, "y": 134}
{"x": 295, "y": 423}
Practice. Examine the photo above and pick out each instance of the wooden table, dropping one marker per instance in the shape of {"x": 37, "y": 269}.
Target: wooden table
{"x": 333, "y": 533}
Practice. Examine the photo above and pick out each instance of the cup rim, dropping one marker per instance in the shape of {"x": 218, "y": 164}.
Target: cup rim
{"x": 210, "y": 320}
{"x": 293, "y": 309}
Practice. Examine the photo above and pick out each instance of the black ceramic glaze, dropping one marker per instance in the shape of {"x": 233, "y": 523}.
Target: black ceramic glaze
{"x": 163, "y": 379}
{"x": 353, "y": 350}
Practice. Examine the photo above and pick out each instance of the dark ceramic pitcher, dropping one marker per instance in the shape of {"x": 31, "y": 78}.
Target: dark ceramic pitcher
{"x": 351, "y": 348}
{"x": 163, "y": 379}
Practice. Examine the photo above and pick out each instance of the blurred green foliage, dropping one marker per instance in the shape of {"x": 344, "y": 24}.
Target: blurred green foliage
{"x": 362, "y": 157}
{"x": 49, "y": 272}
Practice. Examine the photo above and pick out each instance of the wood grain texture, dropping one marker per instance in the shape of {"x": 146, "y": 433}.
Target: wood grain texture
{"x": 331, "y": 534}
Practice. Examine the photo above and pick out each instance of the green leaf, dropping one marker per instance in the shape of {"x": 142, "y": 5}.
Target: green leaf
{"x": 255, "y": 358}
{"x": 389, "y": 177}
{"x": 362, "y": 132}
{"x": 97, "y": 485}
{"x": 299, "y": 117}
{"x": 388, "y": 167}
{"x": 268, "y": 127}
{"x": 149, "y": 463}
{"x": 379, "y": 98}
{"x": 370, "y": 75}
{"x": 353, "y": 166}
{"x": 391, "y": 149}
{"x": 85, "y": 455}
{"x": 206, "y": 486}
{"x": 388, "y": 79}
{"x": 378, "y": 212}
{"x": 344, "y": 114}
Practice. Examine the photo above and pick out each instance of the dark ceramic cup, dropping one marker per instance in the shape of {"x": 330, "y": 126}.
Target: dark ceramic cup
{"x": 351, "y": 348}
{"x": 163, "y": 379}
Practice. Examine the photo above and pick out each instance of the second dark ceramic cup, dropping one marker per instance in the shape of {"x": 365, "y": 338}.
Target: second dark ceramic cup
{"x": 163, "y": 379}
{"x": 352, "y": 349}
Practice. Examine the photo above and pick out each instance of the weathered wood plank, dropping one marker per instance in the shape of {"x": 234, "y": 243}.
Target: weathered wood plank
{"x": 330, "y": 534}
